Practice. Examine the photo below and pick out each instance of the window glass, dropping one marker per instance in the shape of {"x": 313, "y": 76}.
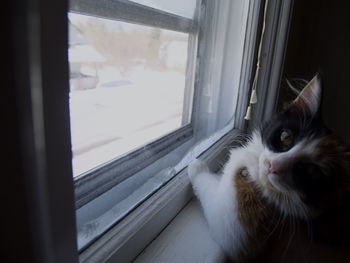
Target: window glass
{"x": 127, "y": 86}
{"x": 183, "y": 8}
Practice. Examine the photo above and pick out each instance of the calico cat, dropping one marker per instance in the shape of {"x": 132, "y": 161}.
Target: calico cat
{"x": 284, "y": 195}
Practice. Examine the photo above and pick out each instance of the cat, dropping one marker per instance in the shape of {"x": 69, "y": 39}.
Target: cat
{"x": 284, "y": 195}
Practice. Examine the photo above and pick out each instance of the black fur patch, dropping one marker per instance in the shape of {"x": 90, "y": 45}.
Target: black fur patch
{"x": 302, "y": 125}
{"x": 312, "y": 182}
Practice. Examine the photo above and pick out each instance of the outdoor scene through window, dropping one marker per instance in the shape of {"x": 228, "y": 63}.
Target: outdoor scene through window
{"x": 127, "y": 86}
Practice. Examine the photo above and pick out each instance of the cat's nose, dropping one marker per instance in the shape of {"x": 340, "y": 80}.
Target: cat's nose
{"x": 273, "y": 168}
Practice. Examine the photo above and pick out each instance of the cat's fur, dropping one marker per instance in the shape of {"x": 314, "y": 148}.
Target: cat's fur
{"x": 282, "y": 200}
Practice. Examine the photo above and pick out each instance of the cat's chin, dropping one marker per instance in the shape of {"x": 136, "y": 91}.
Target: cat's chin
{"x": 274, "y": 179}
{"x": 272, "y": 184}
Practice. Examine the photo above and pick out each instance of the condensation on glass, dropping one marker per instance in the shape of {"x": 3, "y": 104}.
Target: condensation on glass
{"x": 127, "y": 86}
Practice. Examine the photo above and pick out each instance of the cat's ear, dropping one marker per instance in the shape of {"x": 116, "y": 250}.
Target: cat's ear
{"x": 309, "y": 98}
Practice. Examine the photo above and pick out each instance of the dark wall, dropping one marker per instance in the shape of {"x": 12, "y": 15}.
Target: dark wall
{"x": 15, "y": 235}
{"x": 320, "y": 41}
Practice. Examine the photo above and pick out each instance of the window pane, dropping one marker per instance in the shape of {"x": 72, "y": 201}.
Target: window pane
{"x": 183, "y": 8}
{"x": 127, "y": 85}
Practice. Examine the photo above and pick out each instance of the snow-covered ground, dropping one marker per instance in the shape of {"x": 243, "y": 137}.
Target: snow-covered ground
{"x": 123, "y": 114}
{"x": 126, "y": 88}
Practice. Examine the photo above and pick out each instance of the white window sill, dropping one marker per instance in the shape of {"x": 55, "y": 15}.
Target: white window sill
{"x": 185, "y": 240}
{"x": 148, "y": 222}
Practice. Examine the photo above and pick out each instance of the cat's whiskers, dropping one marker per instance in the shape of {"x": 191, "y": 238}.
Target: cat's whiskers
{"x": 276, "y": 225}
{"x": 291, "y": 234}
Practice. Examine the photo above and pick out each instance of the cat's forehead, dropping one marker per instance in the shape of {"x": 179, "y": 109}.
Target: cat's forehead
{"x": 296, "y": 117}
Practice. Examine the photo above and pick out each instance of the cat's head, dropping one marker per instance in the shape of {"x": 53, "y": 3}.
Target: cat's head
{"x": 303, "y": 168}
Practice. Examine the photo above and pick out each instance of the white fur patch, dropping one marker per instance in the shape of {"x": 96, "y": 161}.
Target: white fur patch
{"x": 218, "y": 200}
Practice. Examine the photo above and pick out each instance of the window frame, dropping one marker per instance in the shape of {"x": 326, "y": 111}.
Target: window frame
{"x": 104, "y": 177}
{"x": 129, "y": 237}
{"x": 95, "y": 182}
{"x": 42, "y": 116}
{"x": 42, "y": 131}
{"x": 279, "y": 16}
{"x": 132, "y": 12}
{"x": 209, "y": 49}
{"x": 122, "y": 242}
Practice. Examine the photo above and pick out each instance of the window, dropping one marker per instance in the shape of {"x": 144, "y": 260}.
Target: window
{"x": 127, "y": 87}
{"x": 135, "y": 103}
{"x": 131, "y": 87}
{"x": 149, "y": 83}
{"x": 145, "y": 185}
{"x": 132, "y": 68}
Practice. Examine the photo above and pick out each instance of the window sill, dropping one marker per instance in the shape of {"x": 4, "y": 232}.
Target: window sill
{"x": 185, "y": 240}
{"x": 125, "y": 241}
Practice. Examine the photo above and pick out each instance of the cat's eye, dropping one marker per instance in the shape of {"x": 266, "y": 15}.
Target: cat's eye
{"x": 287, "y": 138}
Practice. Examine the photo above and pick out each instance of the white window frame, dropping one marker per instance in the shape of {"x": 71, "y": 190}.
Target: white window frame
{"x": 123, "y": 241}
{"x": 223, "y": 77}
{"x": 43, "y": 121}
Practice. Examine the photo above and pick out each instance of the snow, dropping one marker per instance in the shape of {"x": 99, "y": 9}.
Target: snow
{"x": 107, "y": 122}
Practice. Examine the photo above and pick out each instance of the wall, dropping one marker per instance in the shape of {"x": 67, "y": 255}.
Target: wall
{"x": 320, "y": 41}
